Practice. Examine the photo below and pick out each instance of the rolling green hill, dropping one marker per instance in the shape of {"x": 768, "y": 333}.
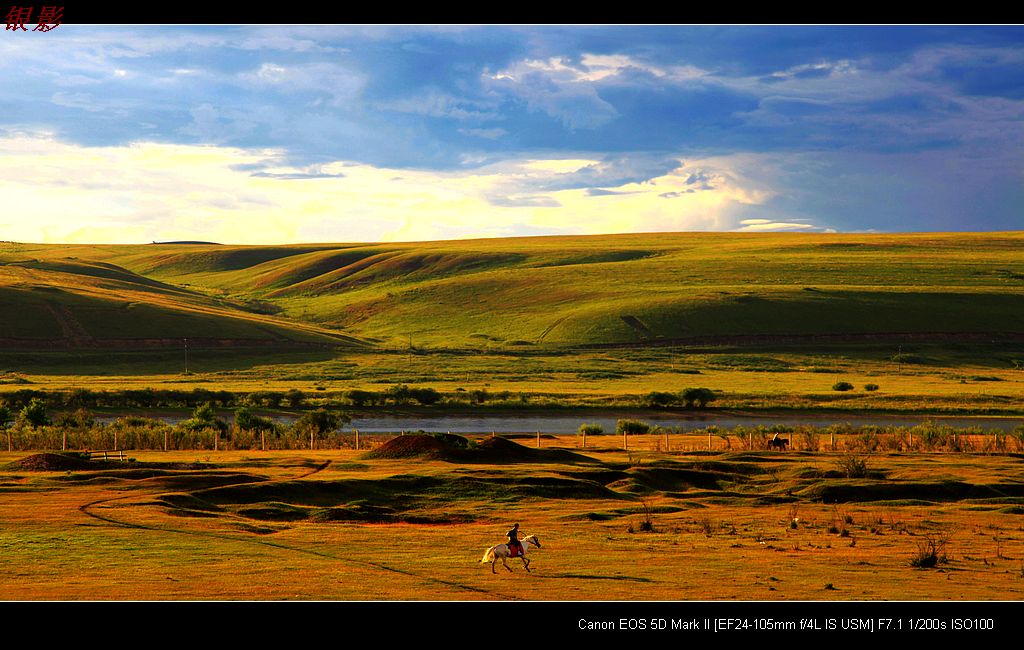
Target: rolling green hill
{"x": 67, "y": 302}
{"x": 543, "y": 291}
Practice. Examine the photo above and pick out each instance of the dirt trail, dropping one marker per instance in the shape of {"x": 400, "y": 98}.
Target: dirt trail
{"x": 70, "y": 327}
{"x": 375, "y": 565}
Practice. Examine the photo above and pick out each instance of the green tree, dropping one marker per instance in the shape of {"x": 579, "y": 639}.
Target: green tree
{"x": 295, "y": 398}
{"x": 34, "y": 413}
{"x": 321, "y": 421}
{"x": 697, "y": 397}
{"x": 246, "y": 420}
{"x": 631, "y": 427}
{"x": 660, "y": 399}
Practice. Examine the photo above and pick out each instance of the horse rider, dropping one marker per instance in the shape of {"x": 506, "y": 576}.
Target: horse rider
{"x": 513, "y": 541}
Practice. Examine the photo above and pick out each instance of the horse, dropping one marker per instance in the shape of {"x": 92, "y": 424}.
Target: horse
{"x": 503, "y": 552}
{"x": 778, "y": 443}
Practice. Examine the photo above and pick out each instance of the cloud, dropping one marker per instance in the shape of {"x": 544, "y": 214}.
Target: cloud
{"x": 555, "y": 89}
{"x": 339, "y": 83}
{"x": 490, "y": 134}
{"x": 767, "y": 225}
{"x": 434, "y": 103}
{"x": 595, "y": 191}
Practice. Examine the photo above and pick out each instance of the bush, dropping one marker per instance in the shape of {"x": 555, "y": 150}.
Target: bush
{"x": 842, "y": 385}
{"x": 34, "y": 413}
{"x": 590, "y": 429}
{"x": 295, "y": 398}
{"x": 930, "y": 552}
{"x": 697, "y": 397}
{"x": 631, "y": 427}
{"x": 853, "y": 466}
{"x": 360, "y": 398}
{"x": 322, "y": 421}
{"x": 246, "y": 420}
{"x": 479, "y": 396}
{"x": 870, "y": 387}
{"x": 659, "y": 398}
{"x": 425, "y": 396}
{"x": 203, "y": 418}
{"x": 80, "y": 419}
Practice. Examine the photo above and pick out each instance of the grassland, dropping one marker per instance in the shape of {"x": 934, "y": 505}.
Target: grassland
{"x": 768, "y": 320}
{"x": 746, "y": 525}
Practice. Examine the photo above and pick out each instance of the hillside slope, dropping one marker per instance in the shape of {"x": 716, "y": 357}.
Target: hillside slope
{"x": 67, "y": 302}
{"x": 598, "y": 290}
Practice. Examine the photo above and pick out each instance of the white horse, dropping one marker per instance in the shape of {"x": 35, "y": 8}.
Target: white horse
{"x": 502, "y": 552}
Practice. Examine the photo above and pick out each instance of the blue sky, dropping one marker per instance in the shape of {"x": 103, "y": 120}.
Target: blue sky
{"x": 316, "y": 133}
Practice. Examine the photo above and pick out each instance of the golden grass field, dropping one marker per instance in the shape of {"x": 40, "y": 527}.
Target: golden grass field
{"x": 731, "y": 525}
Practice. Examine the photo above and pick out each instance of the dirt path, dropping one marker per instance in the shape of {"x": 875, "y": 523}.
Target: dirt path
{"x": 70, "y": 326}
{"x": 85, "y": 509}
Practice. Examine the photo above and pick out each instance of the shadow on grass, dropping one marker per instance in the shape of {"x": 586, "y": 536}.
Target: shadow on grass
{"x": 583, "y": 576}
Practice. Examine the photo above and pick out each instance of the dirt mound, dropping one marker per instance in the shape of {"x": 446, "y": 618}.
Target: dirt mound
{"x": 456, "y": 449}
{"x": 500, "y": 450}
{"x": 417, "y": 446}
{"x": 51, "y": 463}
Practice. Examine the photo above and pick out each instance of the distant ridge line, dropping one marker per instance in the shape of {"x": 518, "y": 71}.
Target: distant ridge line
{"x": 210, "y": 243}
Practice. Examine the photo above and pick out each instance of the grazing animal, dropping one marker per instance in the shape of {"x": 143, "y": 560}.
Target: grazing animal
{"x": 778, "y": 443}
{"x": 503, "y": 552}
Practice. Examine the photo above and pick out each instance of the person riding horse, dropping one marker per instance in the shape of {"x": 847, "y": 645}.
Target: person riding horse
{"x": 513, "y": 541}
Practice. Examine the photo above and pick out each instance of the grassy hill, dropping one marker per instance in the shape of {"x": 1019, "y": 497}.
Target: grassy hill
{"x": 53, "y": 300}
{"x": 544, "y": 291}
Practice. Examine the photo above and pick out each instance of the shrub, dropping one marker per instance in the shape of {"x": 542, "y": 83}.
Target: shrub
{"x": 930, "y": 552}
{"x": 425, "y": 396}
{"x": 5, "y": 416}
{"x": 659, "y": 398}
{"x": 203, "y": 418}
{"x": 362, "y": 397}
{"x": 697, "y": 397}
{"x": 853, "y": 466}
{"x": 399, "y": 394}
{"x": 246, "y": 420}
{"x": 322, "y": 421}
{"x": 295, "y": 398}
{"x": 590, "y": 429}
{"x": 80, "y": 419}
{"x": 809, "y": 438}
{"x": 34, "y": 413}
{"x": 870, "y": 387}
{"x": 631, "y": 427}
{"x": 479, "y": 395}
{"x": 842, "y": 385}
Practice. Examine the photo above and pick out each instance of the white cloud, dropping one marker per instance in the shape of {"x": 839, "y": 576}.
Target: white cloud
{"x": 338, "y": 82}
{"x": 62, "y": 192}
{"x": 435, "y": 103}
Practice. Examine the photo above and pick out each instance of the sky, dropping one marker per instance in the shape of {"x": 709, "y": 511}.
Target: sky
{"x": 271, "y": 134}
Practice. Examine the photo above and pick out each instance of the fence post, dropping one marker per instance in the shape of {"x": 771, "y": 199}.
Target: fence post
{"x": 709, "y": 441}
{"x": 584, "y": 438}
{"x": 357, "y": 438}
{"x": 832, "y": 440}
{"x": 666, "y": 440}
{"x": 625, "y": 440}
{"x": 263, "y": 440}
{"x": 538, "y": 440}
{"x": 166, "y": 435}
